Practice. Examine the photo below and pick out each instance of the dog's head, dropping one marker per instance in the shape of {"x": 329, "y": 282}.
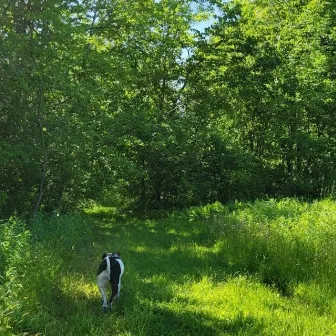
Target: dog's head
{"x": 111, "y": 254}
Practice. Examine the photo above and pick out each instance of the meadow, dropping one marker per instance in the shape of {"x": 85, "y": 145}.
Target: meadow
{"x": 262, "y": 268}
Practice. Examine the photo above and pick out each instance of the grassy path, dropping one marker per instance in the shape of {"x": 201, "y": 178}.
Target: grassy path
{"x": 175, "y": 283}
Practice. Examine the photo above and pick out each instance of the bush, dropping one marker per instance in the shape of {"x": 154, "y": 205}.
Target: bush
{"x": 51, "y": 242}
{"x": 15, "y": 256}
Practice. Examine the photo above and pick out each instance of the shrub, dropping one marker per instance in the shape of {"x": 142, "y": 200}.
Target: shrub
{"x": 15, "y": 256}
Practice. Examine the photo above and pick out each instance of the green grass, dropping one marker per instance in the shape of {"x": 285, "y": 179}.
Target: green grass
{"x": 246, "y": 269}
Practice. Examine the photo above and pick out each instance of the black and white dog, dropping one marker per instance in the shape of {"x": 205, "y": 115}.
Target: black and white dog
{"x": 110, "y": 270}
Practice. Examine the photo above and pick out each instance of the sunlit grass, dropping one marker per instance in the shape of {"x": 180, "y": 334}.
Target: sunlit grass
{"x": 78, "y": 286}
{"x": 244, "y": 270}
{"x": 242, "y": 303}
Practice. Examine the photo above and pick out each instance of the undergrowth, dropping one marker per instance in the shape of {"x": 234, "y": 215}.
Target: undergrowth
{"x": 282, "y": 243}
{"x": 265, "y": 268}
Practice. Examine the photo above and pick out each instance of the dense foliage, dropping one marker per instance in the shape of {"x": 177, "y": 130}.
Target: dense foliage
{"x": 110, "y": 100}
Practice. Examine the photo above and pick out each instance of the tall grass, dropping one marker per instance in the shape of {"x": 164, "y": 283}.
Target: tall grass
{"x": 283, "y": 243}
{"x": 243, "y": 269}
{"x": 14, "y": 249}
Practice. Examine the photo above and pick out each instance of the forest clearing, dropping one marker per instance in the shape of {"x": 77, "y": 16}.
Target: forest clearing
{"x": 196, "y": 137}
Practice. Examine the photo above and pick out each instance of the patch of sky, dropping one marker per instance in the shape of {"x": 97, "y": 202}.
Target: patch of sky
{"x": 205, "y": 20}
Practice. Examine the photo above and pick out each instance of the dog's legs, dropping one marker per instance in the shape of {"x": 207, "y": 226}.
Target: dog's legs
{"x": 121, "y": 273}
{"x": 102, "y": 281}
{"x": 115, "y": 292}
{"x": 119, "y": 286}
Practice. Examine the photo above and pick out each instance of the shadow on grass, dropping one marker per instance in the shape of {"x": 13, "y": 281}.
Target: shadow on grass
{"x": 164, "y": 321}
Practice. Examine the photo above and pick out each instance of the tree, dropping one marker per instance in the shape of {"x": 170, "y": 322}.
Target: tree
{"x": 265, "y": 63}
